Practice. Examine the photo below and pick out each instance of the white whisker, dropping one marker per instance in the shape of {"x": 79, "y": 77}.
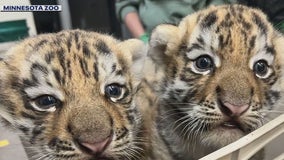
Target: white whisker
{"x": 272, "y": 111}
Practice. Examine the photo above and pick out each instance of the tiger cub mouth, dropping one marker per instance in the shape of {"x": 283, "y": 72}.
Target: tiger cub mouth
{"x": 232, "y": 124}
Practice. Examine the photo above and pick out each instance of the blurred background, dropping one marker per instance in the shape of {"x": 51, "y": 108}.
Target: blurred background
{"x": 95, "y": 15}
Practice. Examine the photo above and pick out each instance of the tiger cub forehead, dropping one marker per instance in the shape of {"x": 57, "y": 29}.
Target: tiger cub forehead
{"x": 228, "y": 33}
{"x": 67, "y": 45}
{"x": 70, "y": 61}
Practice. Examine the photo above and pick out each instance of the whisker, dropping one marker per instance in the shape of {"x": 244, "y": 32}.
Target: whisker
{"x": 41, "y": 156}
{"x": 272, "y": 111}
{"x": 182, "y": 103}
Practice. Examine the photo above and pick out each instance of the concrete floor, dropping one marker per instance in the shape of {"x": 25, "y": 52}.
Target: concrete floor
{"x": 14, "y": 150}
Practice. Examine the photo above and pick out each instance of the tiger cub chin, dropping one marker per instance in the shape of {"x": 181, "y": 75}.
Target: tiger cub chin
{"x": 216, "y": 75}
{"x": 69, "y": 95}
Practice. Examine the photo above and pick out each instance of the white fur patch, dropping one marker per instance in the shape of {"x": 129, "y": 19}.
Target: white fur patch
{"x": 34, "y": 92}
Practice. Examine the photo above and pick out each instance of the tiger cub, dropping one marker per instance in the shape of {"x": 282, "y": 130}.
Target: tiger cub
{"x": 215, "y": 75}
{"x": 70, "y": 96}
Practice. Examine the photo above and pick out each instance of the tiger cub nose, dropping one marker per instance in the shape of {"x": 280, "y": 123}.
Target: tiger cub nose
{"x": 233, "y": 110}
{"x": 97, "y": 147}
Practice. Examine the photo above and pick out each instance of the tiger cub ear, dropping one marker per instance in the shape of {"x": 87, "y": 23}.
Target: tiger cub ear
{"x": 163, "y": 41}
{"x": 3, "y": 70}
{"x": 137, "y": 52}
{"x": 279, "y": 48}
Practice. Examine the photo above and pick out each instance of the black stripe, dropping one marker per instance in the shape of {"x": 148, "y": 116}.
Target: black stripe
{"x": 58, "y": 76}
{"x": 227, "y": 16}
{"x": 26, "y": 101}
{"x": 218, "y": 30}
{"x": 102, "y": 47}
{"x": 29, "y": 83}
{"x": 252, "y": 42}
{"x": 96, "y": 71}
{"x": 113, "y": 68}
{"x": 26, "y": 115}
{"x": 61, "y": 58}
{"x": 209, "y": 20}
{"x": 57, "y": 41}
{"x": 173, "y": 70}
{"x": 39, "y": 67}
{"x": 40, "y": 44}
{"x": 49, "y": 83}
{"x": 221, "y": 41}
{"x": 270, "y": 50}
{"x": 259, "y": 22}
{"x": 49, "y": 57}
{"x": 69, "y": 69}
{"x": 244, "y": 34}
{"x": 227, "y": 22}
{"x": 69, "y": 44}
{"x": 195, "y": 46}
{"x": 271, "y": 79}
{"x": 86, "y": 50}
{"x": 123, "y": 64}
{"x": 200, "y": 40}
{"x": 35, "y": 78}
{"x": 84, "y": 67}
{"x": 24, "y": 129}
{"x": 119, "y": 73}
{"x": 246, "y": 25}
{"x": 228, "y": 40}
{"x": 76, "y": 36}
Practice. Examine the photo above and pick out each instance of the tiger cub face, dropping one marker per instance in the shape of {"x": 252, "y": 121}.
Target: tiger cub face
{"x": 70, "y": 95}
{"x": 222, "y": 71}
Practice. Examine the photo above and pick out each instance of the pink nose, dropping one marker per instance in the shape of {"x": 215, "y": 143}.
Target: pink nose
{"x": 234, "y": 110}
{"x": 97, "y": 147}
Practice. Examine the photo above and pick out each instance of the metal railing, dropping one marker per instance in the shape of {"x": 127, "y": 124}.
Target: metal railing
{"x": 248, "y": 145}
